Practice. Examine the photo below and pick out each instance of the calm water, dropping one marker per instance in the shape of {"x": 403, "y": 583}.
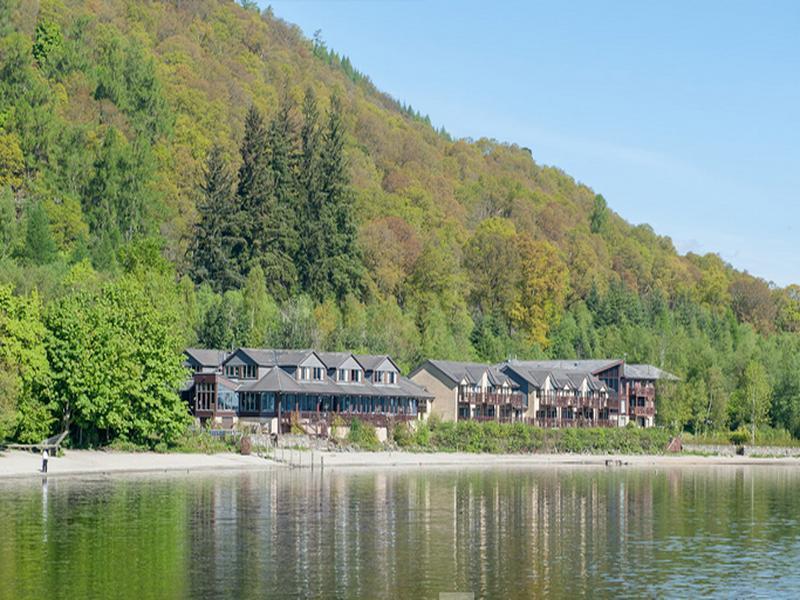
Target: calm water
{"x": 508, "y": 533}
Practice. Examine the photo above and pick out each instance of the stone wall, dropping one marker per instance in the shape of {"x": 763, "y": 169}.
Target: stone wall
{"x": 730, "y": 450}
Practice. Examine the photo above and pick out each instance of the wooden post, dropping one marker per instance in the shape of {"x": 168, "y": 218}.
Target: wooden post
{"x": 278, "y": 403}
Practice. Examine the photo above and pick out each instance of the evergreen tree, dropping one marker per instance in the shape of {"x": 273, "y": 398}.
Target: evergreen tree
{"x": 39, "y": 245}
{"x": 599, "y": 214}
{"x": 218, "y": 247}
{"x": 279, "y": 222}
{"x": 268, "y": 212}
{"x": 254, "y": 177}
{"x": 312, "y": 235}
{"x": 338, "y": 270}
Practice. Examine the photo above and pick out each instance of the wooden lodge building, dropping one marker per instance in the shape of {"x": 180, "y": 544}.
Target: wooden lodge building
{"x": 550, "y": 393}
{"x": 279, "y": 389}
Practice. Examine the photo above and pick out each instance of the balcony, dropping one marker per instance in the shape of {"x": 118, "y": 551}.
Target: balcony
{"x": 642, "y": 390}
{"x": 594, "y": 401}
{"x": 644, "y": 411}
{"x": 514, "y": 399}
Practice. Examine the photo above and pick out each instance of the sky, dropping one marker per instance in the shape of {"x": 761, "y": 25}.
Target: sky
{"x": 684, "y": 115}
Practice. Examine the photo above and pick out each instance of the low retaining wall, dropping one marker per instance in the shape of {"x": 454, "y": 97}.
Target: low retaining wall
{"x": 730, "y": 450}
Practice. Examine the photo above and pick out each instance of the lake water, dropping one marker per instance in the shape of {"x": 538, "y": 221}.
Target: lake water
{"x": 499, "y": 533}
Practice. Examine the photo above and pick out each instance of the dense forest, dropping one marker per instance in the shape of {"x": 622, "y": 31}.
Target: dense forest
{"x": 199, "y": 173}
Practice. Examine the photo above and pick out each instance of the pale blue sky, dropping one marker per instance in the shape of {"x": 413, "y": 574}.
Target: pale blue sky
{"x": 684, "y": 115}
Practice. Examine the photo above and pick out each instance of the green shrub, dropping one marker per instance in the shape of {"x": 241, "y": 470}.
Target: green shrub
{"x": 402, "y": 435}
{"x": 202, "y": 442}
{"x": 362, "y": 435}
{"x": 739, "y": 437}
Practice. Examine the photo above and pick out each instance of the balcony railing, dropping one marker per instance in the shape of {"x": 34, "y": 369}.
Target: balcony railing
{"x": 644, "y": 411}
{"x": 554, "y": 422}
{"x": 515, "y": 399}
{"x": 643, "y": 390}
{"x": 561, "y": 400}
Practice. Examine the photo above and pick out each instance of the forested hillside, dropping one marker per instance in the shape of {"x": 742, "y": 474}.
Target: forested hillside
{"x": 197, "y": 173}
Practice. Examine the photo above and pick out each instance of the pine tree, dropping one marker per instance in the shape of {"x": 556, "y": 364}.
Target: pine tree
{"x": 312, "y": 234}
{"x": 339, "y": 269}
{"x": 280, "y": 222}
{"x": 218, "y": 247}
{"x": 39, "y": 245}
{"x": 268, "y": 199}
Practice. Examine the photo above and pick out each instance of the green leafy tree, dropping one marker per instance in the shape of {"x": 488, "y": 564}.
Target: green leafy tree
{"x": 750, "y": 402}
{"x": 47, "y": 44}
{"x": 543, "y": 286}
{"x": 599, "y": 216}
{"x": 260, "y": 310}
{"x": 117, "y": 363}
{"x": 491, "y": 258}
{"x": 8, "y": 223}
{"x": 12, "y": 161}
{"x": 25, "y": 412}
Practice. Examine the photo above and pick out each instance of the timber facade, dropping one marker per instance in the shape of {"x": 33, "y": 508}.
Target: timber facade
{"x": 553, "y": 393}
{"x": 286, "y": 390}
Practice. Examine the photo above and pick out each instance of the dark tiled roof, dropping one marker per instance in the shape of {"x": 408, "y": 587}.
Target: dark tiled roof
{"x": 471, "y": 372}
{"x": 279, "y": 381}
{"x": 207, "y": 358}
{"x": 333, "y": 360}
{"x": 647, "y": 372}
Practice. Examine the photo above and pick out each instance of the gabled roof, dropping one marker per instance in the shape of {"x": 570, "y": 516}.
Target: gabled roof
{"x": 206, "y": 358}
{"x": 469, "y": 372}
{"x": 372, "y": 361}
{"x": 276, "y": 380}
{"x": 333, "y": 360}
{"x": 586, "y": 366}
{"x": 267, "y": 357}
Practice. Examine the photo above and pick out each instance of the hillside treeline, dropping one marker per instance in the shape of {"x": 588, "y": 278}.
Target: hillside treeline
{"x": 198, "y": 173}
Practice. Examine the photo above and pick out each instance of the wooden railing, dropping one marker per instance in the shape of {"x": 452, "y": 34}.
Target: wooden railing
{"x": 644, "y": 411}
{"x": 515, "y": 399}
{"x": 642, "y": 390}
{"x": 595, "y": 401}
{"x": 376, "y": 419}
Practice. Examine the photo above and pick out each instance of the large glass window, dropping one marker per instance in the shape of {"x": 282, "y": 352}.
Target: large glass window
{"x": 227, "y": 399}
{"x": 249, "y": 402}
{"x": 204, "y": 395}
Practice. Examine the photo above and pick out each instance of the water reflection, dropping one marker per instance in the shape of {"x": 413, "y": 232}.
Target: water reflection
{"x": 511, "y": 533}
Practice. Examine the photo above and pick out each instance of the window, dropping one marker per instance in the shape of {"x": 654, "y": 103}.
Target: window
{"x": 227, "y": 399}
{"x": 267, "y": 402}
{"x": 319, "y": 373}
{"x": 249, "y": 402}
{"x": 355, "y": 375}
{"x": 392, "y": 377}
{"x": 305, "y": 373}
{"x": 378, "y": 377}
{"x": 204, "y": 395}
{"x": 342, "y": 376}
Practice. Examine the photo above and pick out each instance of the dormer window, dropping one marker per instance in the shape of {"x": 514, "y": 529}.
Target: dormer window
{"x": 342, "y": 375}
{"x": 355, "y": 375}
{"x": 392, "y": 377}
{"x": 378, "y": 377}
{"x": 305, "y": 373}
{"x": 319, "y": 373}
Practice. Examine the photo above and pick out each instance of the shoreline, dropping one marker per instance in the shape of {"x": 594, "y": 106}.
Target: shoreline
{"x": 15, "y": 464}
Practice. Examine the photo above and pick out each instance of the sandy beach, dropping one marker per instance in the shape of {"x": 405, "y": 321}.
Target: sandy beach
{"x": 17, "y": 464}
